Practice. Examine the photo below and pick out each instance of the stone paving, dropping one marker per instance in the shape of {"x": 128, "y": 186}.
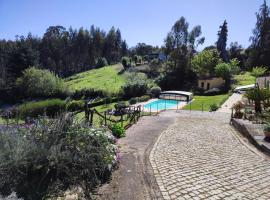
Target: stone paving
{"x": 201, "y": 157}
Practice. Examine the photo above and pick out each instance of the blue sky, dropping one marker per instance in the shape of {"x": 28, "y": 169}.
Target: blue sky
{"x": 139, "y": 20}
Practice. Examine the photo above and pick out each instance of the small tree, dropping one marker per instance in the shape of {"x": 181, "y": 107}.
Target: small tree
{"x": 258, "y": 71}
{"x": 258, "y": 95}
{"x": 101, "y": 62}
{"x": 226, "y": 70}
{"x": 126, "y": 62}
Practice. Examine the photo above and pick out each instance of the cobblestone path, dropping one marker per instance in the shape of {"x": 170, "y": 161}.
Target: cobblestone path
{"x": 200, "y": 157}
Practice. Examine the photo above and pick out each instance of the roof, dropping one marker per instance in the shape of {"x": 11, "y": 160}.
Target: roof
{"x": 245, "y": 87}
{"x": 177, "y": 92}
{"x": 209, "y": 78}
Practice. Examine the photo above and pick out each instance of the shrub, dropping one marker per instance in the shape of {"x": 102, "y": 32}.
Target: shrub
{"x": 132, "y": 89}
{"x": 126, "y": 62}
{"x": 118, "y": 131}
{"x": 120, "y": 105}
{"x": 75, "y": 105}
{"x": 41, "y": 83}
{"x": 101, "y": 62}
{"x": 133, "y": 100}
{"x": 52, "y": 156}
{"x": 266, "y": 127}
{"x": 50, "y": 107}
{"x": 213, "y": 107}
{"x": 88, "y": 94}
{"x": 258, "y": 71}
{"x": 155, "y": 91}
{"x": 144, "y": 98}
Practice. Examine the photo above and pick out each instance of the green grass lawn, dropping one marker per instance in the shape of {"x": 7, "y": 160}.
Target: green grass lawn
{"x": 196, "y": 104}
{"x": 244, "y": 79}
{"x": 106, "y": 79}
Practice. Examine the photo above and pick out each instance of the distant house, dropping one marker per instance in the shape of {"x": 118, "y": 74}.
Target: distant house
{"x": 210, "y": 83}
{"x": 263, "y": 82}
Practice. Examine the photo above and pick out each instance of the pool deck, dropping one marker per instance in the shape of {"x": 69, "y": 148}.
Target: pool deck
{"x": 180, "y": 105}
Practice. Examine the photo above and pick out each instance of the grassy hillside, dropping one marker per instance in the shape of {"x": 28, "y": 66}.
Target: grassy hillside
{"x": 105, "y": 78}
{"x": 244, "y": 79}
{"x": 206, "y": 101}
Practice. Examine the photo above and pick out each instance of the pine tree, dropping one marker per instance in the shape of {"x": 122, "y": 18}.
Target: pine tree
{"x": 222, "y": 41}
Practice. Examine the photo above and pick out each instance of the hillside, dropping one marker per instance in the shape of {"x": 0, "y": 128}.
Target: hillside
{"x": 105, "y": 78}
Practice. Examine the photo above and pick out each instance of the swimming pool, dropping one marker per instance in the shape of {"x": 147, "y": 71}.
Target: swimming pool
{"x": 161, "y": 104}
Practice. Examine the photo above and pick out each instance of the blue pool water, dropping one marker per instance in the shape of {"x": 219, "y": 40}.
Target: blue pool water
{"x": 161, "y": 104}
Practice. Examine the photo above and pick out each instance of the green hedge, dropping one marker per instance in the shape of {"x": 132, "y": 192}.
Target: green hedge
{"x": 49, "y": 107}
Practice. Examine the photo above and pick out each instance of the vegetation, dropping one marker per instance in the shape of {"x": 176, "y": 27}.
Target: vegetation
{"x": 41, "y": 83}
{"x": 105, "y": 79}
{"x": 222, "y": 42}
{"x": 213, "y": 107}
{"x": 204, "y": 63}
{"x": 259, "y": 96}
{"x": 258, "y": 71}
{"x": 155, "y": 91}
{"x": 62, "y": 151}
{"x": 204, "y": 102}
{"x": 50, "y": 107}
{"x": 244, "y": 79}
{"x": 118, "y": 131}
{"x": 64, "y": 52}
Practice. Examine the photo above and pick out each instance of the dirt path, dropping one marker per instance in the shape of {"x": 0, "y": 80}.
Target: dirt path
{"x": 135, "y": 179}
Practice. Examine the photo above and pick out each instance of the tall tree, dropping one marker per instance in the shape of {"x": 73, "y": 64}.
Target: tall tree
{"x": 222, "y": 41}
{"x": 259, "y": 53}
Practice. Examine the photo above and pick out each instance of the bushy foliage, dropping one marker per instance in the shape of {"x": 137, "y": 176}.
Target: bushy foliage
{"x": 155, "y": 91}
{"x": 41, "y": 83}
{"x": 204, "y": 63}
{"x": 101, "y": 62}
{"x": 259, "y": 96}
{"x": 75, "y": 105}
{"x": 118, "y": 131}
{"x": 88, "y": 94}
{"x": 258, "y": 71}
{"x": 213, "y": 107}
{"x": 133, "y": 100}
{"x": 53, "y": 155}
{"x": 126, "y": 62}
{"x": 49, "y": 107}
{"x": 144, "y": 98}
{"x": 137, "y": 85}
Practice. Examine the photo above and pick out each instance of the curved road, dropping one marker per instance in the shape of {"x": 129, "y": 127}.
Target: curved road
{"x": 201, "y": 157}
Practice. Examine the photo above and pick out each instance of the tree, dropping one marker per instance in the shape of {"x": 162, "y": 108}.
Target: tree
{"x": 204, "y": 63}
{"x": 237, "y": 51}
{"x": 180, "y": 45}
{"x": 260, "y": 48}
{"x": 222, "y": 41}
{"x": 226, "y": 70}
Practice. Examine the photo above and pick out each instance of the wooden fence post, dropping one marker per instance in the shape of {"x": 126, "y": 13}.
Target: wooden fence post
{"x": 91, "y": 117}
{"x": 105, "y": 118}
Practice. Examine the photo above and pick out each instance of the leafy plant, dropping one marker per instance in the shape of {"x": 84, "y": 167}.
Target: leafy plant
{"x": 258, "y": 71}
{"x": 133, "y": 100}
{"x": 41, "y": 83}
{"x": 49, "y": 107}
{"x": 213, "y": 107}
{"x": 118, "y": 131}
{"x": 101, "y": 62}
{"x": 53, "y": 155}
{"x": 259, "y": 96}
{"x": 238, "y": 106}
{"x": 155, "y": 91}
{"x": 75, "y": 105}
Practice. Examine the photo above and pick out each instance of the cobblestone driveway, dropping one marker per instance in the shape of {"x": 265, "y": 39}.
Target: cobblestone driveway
{"x": 199, "y": 157}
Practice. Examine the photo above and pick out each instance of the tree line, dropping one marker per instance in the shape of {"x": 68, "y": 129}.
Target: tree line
{"x": 62, "y": 51}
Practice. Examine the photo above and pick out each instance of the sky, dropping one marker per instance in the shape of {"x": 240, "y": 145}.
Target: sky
{"x": 146, "y": 21}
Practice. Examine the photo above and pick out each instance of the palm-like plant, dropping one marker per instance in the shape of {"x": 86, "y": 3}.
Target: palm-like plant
{"x": 259, "y": 96}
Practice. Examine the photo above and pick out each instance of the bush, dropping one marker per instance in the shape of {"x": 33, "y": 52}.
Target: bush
{"x": 144, "y": 98}
{"x": 50, "y": 107}
{"x": 101, "y": 62}
{"x": 133, "y": 100}
{"x": 41, "y": 83}
{"x": 53, "y": 155}
{"x": 213, "y": 107}
{"x": 126, "y": 62}
{"x": 155, "y": 91}
{"x": 132, "y": 89}
{"x": 118, "y": 131}
{"x": 88, "y": 94}
{"x": 75, "y": 105}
